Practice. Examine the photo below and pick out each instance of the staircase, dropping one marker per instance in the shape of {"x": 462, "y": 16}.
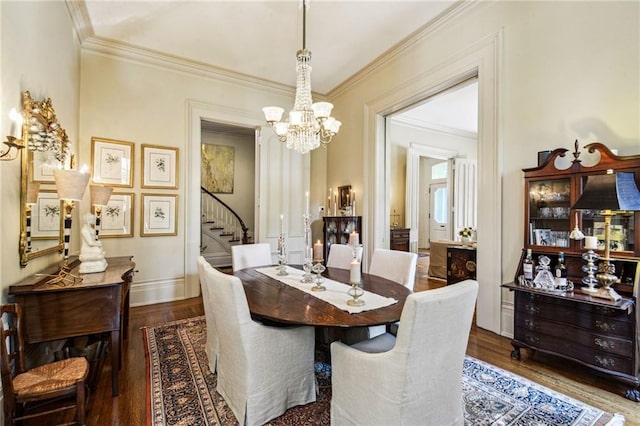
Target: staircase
{"x": 220, "y": 229}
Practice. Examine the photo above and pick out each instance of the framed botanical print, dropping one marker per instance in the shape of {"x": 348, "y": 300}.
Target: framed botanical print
{"x": 42, "y": 164}
{"x": 159, "y": 215}
{"x": 112, "y": 162}
{"x": 159, "y": 167}
{"x": 46, "y": 216}
{"x": 117, "y": 216}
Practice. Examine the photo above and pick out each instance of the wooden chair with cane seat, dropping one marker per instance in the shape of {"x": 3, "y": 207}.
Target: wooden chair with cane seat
{"x": 28, "y": 394}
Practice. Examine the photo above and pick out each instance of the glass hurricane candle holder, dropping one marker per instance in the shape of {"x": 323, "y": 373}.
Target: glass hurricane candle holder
{"x": 307, "y": 262}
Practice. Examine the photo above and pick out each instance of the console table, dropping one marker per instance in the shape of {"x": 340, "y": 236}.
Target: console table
{"x": 97, "y": 304}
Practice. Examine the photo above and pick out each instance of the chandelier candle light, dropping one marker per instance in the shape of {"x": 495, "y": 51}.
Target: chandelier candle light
{"x": 310, "y": 124}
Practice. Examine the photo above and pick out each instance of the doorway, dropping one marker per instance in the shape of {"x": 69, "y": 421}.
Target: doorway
{"x": 438, "y": 213}
{"x": 481, "y": 59}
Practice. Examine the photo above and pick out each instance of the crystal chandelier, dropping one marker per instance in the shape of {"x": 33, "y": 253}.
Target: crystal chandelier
{"x": 310, "y": 124}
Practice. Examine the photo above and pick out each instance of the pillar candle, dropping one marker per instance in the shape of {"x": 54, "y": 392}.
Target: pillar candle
{"x": 354, "y": 239}
{"x": 354, "y": 272}
{"x": 317, "y": 251}
{"x": 590, "y": 243}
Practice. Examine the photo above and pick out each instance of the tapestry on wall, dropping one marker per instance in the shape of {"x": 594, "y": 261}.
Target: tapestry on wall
{"x": 217, "y": 168}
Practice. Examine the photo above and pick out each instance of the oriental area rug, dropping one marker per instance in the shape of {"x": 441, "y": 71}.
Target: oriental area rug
{"x": 182, "y": 391}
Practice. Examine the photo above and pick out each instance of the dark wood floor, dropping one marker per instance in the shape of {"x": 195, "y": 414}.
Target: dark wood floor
{"x": 568, "y": 378}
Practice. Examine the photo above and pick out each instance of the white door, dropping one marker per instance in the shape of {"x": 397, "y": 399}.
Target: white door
{"x": 284, "y": 180}
{"x": 438, "y": 212}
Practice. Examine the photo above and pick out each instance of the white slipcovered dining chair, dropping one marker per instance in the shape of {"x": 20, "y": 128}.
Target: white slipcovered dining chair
{"x": 250, "y": 255}
{"x": 397, "y": 266}
{"x": 341, "y": 256}
{"x": 211, "y": 347}
{"x": 414, "y": 379}
{"x": 262, "y": 370}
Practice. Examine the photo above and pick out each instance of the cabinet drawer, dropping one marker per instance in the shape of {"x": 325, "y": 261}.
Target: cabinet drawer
{"x": 610, "y": 322}
{"x": 564, "y": 347}
{"x": 587, "y": 338}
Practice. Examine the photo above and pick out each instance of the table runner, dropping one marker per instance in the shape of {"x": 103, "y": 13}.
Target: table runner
{"x": 336, "y": 292}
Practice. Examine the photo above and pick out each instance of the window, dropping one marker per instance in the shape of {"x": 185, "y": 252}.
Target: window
{"x": 439, "y": 171}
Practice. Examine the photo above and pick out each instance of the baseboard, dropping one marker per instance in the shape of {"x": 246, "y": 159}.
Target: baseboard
{"x": 151, "y": 292}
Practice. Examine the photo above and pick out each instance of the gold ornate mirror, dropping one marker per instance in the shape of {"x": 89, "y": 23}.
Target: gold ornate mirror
{"x": 46, "y": 147}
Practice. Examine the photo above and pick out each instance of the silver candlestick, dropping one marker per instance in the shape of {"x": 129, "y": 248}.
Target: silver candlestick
{"x": 282, "y": 256}
{"x": 308, "y": 252}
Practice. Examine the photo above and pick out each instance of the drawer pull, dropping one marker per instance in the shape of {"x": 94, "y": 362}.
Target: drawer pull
{"x": 604, "y": 310}
{"x": 532, "y": 339}
{"x": 605, "y": 362}
{"x": 604, "y": 344}
{"x": 530, "y": 324}
{"x": 532, "y": 309}
{"x": 605, "y": 326}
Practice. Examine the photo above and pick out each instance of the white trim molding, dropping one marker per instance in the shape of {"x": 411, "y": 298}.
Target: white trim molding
{"x": 482, "y": 59}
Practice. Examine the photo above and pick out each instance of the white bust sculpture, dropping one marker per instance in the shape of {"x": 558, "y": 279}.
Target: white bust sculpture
{"x": 91, "y": 253}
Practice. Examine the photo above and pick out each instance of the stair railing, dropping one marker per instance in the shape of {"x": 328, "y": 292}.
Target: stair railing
{"x": 221, "y": 215}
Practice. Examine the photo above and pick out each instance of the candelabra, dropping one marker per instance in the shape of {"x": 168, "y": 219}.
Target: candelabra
{"x": 590, "y": 268}
{"x": 308, "y": 251}
{"x": 354, "y": 278}
{"x": 282, "y": 256}
{"x": 318, "y": 268}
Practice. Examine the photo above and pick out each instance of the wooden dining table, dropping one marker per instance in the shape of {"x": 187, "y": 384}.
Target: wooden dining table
{"x": 275, "y": 301}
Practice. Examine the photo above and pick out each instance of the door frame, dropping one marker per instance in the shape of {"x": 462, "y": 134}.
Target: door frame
{"x": 412, "y": 203}
{"x": 482, "y": 58}
{"x": 196, "y": 113}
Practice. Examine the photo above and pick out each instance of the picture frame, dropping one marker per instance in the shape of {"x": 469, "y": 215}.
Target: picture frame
{"x": 42, "y": 165}
{"x": 344, "y": 192}
{"x": 46, "y": 216}
{"x": 159, "y": 167}
{"x": 117, "y": 216}
{"x": 159, "y": 215}
{"x": 112, "y": 162}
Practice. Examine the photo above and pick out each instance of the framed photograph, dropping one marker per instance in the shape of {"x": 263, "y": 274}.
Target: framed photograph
{"x": 46, "y": 216}
{"x": 117, "y": 216}
{"x": 112, "y": 162}
{"x": 159, "y": 167}
{"x": 42, "y": 164}
{"x": 159, "y": 215}
{"x": 344, "y": 193}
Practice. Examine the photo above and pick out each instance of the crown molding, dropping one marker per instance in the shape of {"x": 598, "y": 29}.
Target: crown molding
{"x": 460, "y": 7}
{"x": 80, "y": 18}
{"x": 108, "y": 47}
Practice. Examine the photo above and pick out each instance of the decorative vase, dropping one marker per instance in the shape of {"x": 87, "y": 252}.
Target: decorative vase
{"x": 465, "y": 240}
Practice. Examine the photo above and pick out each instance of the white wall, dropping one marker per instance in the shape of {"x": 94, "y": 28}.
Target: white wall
{"x": 568, "y": 70}
{"x": 40, "y": 53}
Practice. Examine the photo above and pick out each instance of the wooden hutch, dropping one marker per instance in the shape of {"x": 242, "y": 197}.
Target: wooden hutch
{"x": 599, "y": 333}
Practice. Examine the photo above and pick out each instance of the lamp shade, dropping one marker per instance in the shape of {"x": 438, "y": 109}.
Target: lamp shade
{"x": 614, "y": 191}
{"x": 100, "y": 194}
{"x": 70, "y": 184}
{"x": 33, "y": 189}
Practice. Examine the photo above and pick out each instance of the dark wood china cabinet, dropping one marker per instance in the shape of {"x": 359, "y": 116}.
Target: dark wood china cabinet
{"x": 599, "y": 333}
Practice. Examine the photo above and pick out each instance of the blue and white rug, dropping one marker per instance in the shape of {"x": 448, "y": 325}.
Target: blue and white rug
{"x": 182, "y": 390}
{"x": 493, "y": 396}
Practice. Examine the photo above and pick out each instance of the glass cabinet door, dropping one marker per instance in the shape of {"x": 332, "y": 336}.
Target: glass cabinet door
{"x": 621, "y": 233}
{"x": 549, "y": 218}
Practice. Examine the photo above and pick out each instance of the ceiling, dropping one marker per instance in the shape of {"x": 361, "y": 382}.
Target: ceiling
{"x": 259, "y": 39}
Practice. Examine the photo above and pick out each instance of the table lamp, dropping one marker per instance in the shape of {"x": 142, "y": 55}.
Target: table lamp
{"x": 33, "y": 189}
{"x": 70, "y": 185}
{"x": 99, "y": 198}
{"x": 609, "y": 193}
